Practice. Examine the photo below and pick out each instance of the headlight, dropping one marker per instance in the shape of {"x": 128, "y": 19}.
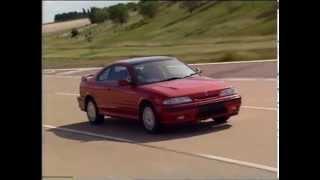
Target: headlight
{"x": 177, "y": 100}
{"x": 227, "y": 92}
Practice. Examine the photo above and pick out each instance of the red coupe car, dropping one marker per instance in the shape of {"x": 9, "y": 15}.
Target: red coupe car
{"x": 157, "y": 91}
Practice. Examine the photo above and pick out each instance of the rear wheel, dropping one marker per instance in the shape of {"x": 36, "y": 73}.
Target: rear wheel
{"x": 222, "y": 119}
{"x": 149, "y": 120}
{"x": 92, "y": 113}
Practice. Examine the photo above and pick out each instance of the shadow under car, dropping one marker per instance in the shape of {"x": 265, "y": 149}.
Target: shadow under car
{"x": 134, "y": 132}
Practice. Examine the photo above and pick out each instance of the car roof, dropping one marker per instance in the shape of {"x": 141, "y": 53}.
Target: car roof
{"x": 139, "y": 60}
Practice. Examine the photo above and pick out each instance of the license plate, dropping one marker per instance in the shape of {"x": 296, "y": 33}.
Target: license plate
{"x": 211, "y": 109}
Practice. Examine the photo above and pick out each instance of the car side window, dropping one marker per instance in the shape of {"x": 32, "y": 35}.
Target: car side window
{"x": 148, "y": 73}
{"x": 104, "y": 75}
{"x": 119, "y": 73}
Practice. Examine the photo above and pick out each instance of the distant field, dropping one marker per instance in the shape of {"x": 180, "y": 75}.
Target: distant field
{"x": 62, "y": 26}
{"x": 218, "y": 31}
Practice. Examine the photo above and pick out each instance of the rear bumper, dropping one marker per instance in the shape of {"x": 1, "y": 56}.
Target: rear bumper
{"x": 81, "y": 103}
{"x": 193, "y": 112}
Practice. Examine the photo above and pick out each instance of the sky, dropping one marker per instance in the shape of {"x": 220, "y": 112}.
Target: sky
{"x": 50, "y": 8}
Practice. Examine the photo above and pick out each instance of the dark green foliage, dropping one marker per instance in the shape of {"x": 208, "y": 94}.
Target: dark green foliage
{"x": 193, "y": 5}
{"x": 271, "y": 13}
{"x": 74, "y": 32}
{"x": 132, "y": 6}
{"x": 69, "y": 16}
{"x": 136, "y": 25}
{"x": 148, "y": 8}
{"x": 89, "y": 36}
{"x": 118, "y": 13}
{"x": 98, "y": 15}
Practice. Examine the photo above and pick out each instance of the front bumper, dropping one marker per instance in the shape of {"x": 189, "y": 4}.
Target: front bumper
{"x": 195, "y": 111}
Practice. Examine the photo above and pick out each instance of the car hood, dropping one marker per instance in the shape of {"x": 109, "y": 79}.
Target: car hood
{"x": 197, "y": 87}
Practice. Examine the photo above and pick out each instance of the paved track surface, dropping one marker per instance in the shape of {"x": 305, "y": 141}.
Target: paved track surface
{"x": 78, "y": 149}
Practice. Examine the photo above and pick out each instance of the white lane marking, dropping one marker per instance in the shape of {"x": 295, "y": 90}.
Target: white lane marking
{"x": 231, "y": 62}
{"x": 236, "y": 62}
{"x": 69, "y": 72}
{"x": 248, "y": 79}
{"x": 244, "y": 163}
{"x": 259, "y": 108}
{"x": 206, "y": 156}
{"x": 66, "y": 94}
{"x": 59, "y": 76}
{"x": 80, "y": 69}
{"x": 247, "y": 107}
{"x": 49, "y": 71}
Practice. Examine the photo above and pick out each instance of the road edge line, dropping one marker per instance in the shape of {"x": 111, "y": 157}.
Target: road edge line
{"x": 259, "y": 108}
{"x": 231, "y": 62}
{"x": 235, "y": 62}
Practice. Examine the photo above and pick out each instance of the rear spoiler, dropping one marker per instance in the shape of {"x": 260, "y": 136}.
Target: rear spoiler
{"x": 86, "y": 77}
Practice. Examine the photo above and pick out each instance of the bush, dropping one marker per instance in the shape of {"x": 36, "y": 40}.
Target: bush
{"x": 98, "y": 15}
{"x": 132, "y": 6}
{"x": 229, "y": 56}
{"x": 171, "y": 2}
{"x": 136, "y": 25}
{"x": 192, "y": 5}
{"x": 119, "y": 13}
{"x": 148, "y": 9}
{"x": 74, "y": 32}
{"x": 89, "y": 36}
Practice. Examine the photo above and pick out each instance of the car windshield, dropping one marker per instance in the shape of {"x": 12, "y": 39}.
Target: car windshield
{"x": 163, "y": 70}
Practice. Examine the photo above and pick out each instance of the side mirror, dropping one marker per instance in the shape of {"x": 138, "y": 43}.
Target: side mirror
{"x": 198, "y": 70}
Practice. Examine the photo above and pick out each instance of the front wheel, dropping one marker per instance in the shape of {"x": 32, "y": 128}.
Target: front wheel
{"x": 223, "y": 119}
{"x": 149, "y": 120}
{"x": 92, "y": 113}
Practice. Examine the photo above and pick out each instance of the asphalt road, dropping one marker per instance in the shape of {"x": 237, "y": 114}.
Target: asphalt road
{"x": 244, "y": 147}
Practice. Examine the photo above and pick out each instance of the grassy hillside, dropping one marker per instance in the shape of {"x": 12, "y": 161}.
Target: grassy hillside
{"x": 217, "y": 31}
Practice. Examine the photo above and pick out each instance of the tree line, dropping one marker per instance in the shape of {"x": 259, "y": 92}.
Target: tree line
{"x": 71, "y": 15}
{"x": 119, "y": 13}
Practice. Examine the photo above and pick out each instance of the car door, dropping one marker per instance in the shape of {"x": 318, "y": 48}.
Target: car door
{"x": 125, "y": 97}
{"x": 102, "y": 91}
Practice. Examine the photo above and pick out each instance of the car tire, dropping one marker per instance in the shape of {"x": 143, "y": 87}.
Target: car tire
{"x": 149, "y": 119}
{"x": 92, "y": 113}
{"x": 221, "y": 120}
